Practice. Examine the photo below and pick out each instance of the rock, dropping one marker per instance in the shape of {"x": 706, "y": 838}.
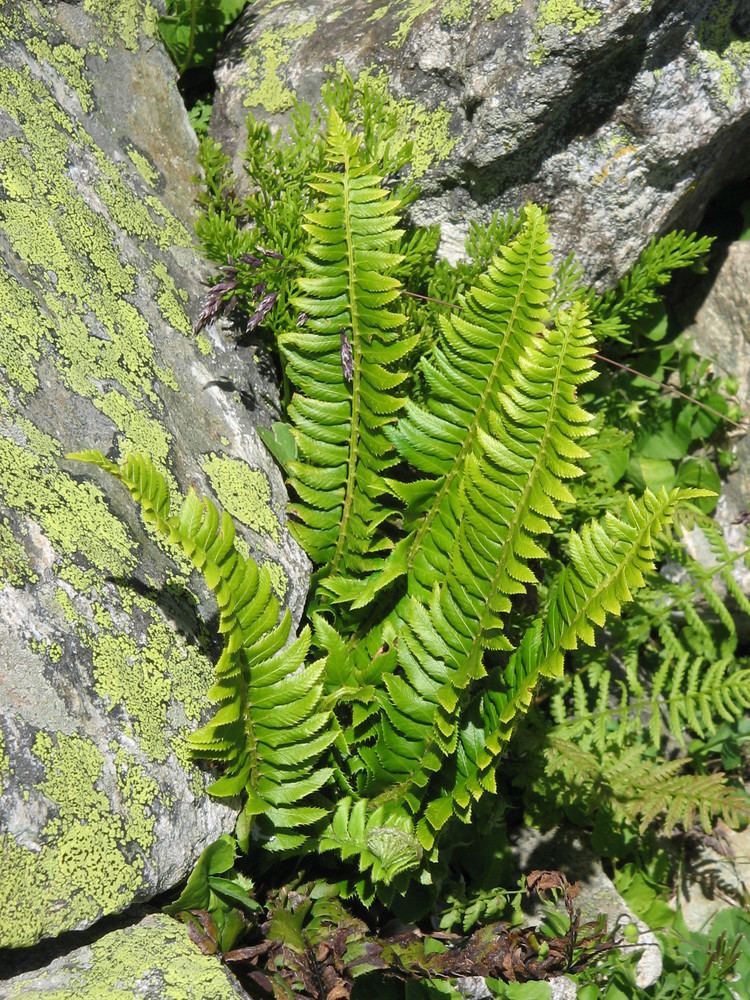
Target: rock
{"x": 105, "y": 658}
{"x": 718, "y": 311}
{"x": 625, "y": 118}
{"x": 153, "y": 960}
{"x": 475, "y": 988}
{"x": 718, "y": 879}
{"x": 563, "y": 851}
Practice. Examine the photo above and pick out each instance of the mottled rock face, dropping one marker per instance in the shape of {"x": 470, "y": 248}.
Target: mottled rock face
{"x": 153, "y": 960}
{"x": 105, "y": 657}
{"x": 625, "y": 117}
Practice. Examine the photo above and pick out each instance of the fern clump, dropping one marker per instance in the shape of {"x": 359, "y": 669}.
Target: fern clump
{"x": 434, "y": 499}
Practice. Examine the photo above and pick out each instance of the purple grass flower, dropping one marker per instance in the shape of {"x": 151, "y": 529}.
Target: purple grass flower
{"x": 262, "y": 309}
{"x": 347, "y": 357}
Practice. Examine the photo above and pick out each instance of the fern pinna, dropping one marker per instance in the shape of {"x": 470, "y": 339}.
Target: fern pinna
{"x": 426, "y": 517}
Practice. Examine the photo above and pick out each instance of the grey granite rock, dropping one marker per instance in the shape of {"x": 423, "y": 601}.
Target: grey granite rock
{"x": 624, "y": 117}
{"x": 563, "y": 851}
{"x": 719, "y": 310}
{"x": 152, "y": 960}
{"x": 105, "y": 659}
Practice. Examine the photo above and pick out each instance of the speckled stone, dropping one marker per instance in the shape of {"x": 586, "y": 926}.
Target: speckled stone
{"x": 153, "y": 960}
{"x": 625, "y": 118}
{"x": 105, "y": 657}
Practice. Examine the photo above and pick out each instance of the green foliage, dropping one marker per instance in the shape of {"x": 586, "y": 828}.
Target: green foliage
{"x": 193, "y": 29}
{"x": 216, "y": 889}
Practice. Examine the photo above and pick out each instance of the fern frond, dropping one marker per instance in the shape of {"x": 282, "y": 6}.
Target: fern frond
{"x": 382, "y": 839}
{"x": 343, "y": 362}
{"x": 270, "y": 729}
{"x": 475, "y": 360}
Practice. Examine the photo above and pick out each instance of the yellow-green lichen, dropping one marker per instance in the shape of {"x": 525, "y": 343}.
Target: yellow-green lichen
{"x": 143, "y": 165}
{"x": 126, "y": 21}
{"x": 411, "y": 10}
{"x": 261, "y": 82}
{"x": 498, "y": 8}
{"x": 243, "y": 492}
{"x": 568, "y": 14}
{"x": 170, "y": 306}
{"x": 154, "y": 958}
{"x": 15, "y": 569}
{"x": 203, "y": 344}
{"x": 73, "y": 515}
{"x": 68, "y": 61}
{"x": 279, "y": 579}
{"x": 148, "y": 679}
{"x": 428, "y": 131}
{"x": 723, "y": 51}
{"x": 378, "y": 14}
{"x": 91, "y": 858}
{"x": 456, "y": 11}
{"x": 4, "y": 761}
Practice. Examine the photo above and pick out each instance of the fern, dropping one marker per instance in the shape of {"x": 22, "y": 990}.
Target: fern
{"x": 341, "y": 362}
{"x": 270, "y": 729}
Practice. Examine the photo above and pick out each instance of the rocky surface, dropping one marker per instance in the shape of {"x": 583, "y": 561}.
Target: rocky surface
{"x": 625, "y": 117}
{"x": 106, "y": 659}
{"x": 718, "y": 879}
{"x": 719, "y": 307}
{"x": 152, "y": 960}
{"x": 562, "y": 850}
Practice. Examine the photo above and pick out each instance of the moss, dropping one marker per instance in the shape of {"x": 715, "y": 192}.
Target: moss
{"x": 429, "y": 131}
{"x": 90, "y": 860}
{"x": 723, "y": 51}
{"x": 124, "y": 20}
{"x": 260, "y": 79}
{"x": 143, "y": 165}
{"x": 568, "y": 14}
{"x": 243, "y": 492}
{"x": 153, "y": 958}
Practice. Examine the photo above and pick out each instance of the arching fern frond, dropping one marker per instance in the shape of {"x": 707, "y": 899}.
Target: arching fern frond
{"x": 270, "y": 729}
{"x": 343, "y": 361}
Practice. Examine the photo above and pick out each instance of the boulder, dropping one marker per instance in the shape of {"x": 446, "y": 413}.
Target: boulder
{"x": 625, "y": 118}
{"x": 105, "y": 657}
{"x": 152, "y": 960}
{"x": 715, "y": 317}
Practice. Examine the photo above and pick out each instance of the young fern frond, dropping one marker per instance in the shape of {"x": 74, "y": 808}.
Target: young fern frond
{"x": 270, "y": 728}
{"x": 342, "y": 362}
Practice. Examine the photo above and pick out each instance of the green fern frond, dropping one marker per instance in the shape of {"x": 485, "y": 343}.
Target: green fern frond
{"x": 382, "y": 839}
{"x": 640, "y": 790}
{"x": 270, "y": 729}
{"x": 475, "y": 360}
{"x": 343, "y": 362}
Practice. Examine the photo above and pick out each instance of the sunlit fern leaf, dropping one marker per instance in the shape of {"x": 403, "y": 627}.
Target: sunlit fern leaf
{"x": 343, "y": 362}
{"x": 381, "y": 839}
{"x": 270, "y": 729}
{"x": 476, "y": 358}
{"x": 609, "y": 561}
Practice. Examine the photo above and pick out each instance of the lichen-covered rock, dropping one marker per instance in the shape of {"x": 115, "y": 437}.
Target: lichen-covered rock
{"x": 152, "y": 960}
{"x": 624, "y": 117}
{"x": 104, "y": 661}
